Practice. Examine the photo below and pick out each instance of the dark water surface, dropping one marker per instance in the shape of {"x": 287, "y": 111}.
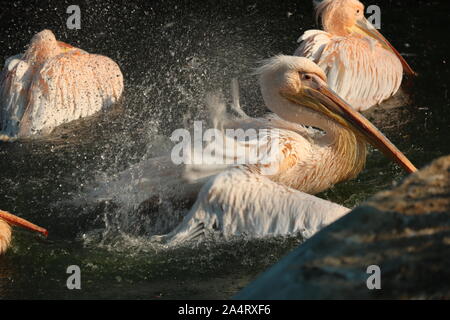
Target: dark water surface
{"x": 171, "y": 54}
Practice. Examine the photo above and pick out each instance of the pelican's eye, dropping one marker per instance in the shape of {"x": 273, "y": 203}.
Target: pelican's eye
{"x": 306, "y": 76}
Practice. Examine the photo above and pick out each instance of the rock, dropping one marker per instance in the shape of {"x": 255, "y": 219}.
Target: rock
{"x": 405, "y": 231}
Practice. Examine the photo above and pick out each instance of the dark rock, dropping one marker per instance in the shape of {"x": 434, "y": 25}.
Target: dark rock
{"x": 405, "y": 231}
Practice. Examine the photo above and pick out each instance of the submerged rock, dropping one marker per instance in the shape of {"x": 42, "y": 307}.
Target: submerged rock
{"x": 405, "y": 231}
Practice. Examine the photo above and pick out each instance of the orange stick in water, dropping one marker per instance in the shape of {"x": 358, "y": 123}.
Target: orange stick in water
{"x": 16, "y": 221}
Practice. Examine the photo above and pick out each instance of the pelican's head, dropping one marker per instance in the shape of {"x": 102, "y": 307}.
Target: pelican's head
{"x": 6, "y": 221}
{"x": 296, "y": 89}
{"x": 346, "y": 17}
{"x": 44, "y": 46}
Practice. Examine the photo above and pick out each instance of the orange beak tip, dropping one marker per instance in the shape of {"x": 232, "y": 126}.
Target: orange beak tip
{"x": 412, "y": 74}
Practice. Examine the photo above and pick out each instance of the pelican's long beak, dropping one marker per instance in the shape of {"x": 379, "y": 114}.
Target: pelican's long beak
{"x": 16, "y": 221}
{"x": 326, "y": 101}
{"x": 364, "y": 27}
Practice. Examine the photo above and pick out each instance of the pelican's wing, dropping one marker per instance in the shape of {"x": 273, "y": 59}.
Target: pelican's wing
{"x": 142, "y": 181}
{"x": 240, "y": 202}
{"x": 358, "y": 69}
{"x": 70, "y": 86}
{"x": 266, "y": 146}
{"x": 14, "y": 84}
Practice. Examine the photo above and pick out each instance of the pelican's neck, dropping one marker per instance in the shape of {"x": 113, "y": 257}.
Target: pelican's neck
{"x": 342, "y": 152}
{"x": 333, "y": 17}
{"x": 343, "y": 148}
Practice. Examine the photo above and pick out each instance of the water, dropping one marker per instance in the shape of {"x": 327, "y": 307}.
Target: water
{"x": 171, "y": 53}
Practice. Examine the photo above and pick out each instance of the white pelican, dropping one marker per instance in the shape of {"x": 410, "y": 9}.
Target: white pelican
{"x": 361, "y": 65}
{"x": 53, "y": 83}
{"x": 243, "y": 201}
{"x": 6, "y": 221}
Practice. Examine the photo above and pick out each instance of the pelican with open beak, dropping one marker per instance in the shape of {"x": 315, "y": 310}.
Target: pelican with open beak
{"x": 275, "y": 197}
{"x": 361, "y": 65}
{"x": 6, "y": 221}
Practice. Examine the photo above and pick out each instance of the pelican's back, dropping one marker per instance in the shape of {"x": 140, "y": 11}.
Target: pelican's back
{"x": 360, "y": 70}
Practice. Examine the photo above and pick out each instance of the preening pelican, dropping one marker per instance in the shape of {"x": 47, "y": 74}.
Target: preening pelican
{"x": 245, "y": 200}
{"x": 361, "y": 65}
{"x": 6, "y": 221}
{"x": 53, "y": 83}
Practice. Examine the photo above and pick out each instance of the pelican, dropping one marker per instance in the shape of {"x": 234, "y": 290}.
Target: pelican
{"x": 6, "y": 221}
{"x": 53, "y": 83}
{"x": 246, "y": 200}
{"x": 361, "y": 65}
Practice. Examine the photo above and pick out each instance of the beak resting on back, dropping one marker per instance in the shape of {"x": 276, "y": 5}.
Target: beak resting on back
{"x": 327, "y": 102}
{"x": 364, "y": 27}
